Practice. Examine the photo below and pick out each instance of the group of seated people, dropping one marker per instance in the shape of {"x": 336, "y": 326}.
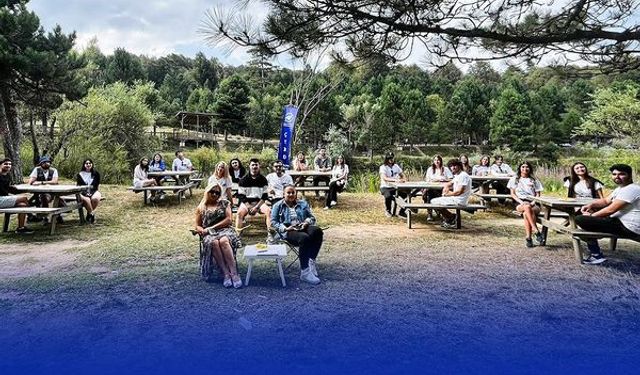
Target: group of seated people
{"x": 141, "y": 172}
{"x": 618, "y": 213}
{"x": 288, "y": 219}
{"x": 45, "y": 174}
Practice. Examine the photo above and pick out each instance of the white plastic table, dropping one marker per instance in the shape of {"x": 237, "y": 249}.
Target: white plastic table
{"x": 277, "y": 252}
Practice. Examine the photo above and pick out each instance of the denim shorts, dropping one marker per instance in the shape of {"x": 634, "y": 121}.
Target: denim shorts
{"x": 8, "y": 201}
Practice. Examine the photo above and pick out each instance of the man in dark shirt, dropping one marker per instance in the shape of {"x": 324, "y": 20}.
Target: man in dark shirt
{"x": 9, "y": 201}
{"x": 322, "y": 163}
{"x": 252, "y": 194}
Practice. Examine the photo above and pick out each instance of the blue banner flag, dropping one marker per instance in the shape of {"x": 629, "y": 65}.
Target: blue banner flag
{"x": 287, "y": 127}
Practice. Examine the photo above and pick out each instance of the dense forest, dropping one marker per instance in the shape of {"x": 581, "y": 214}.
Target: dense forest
{"x": 55, "y": 95}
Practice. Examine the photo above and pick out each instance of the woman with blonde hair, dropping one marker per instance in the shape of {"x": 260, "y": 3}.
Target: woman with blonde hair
{"x": 219, "y": 239}
{"x": 221, "y": 177}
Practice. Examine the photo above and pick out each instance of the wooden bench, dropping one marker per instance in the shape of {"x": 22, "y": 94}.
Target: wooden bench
{"x": 578, "y": 235}
{"x": 72, "y": 198}
{"x": 178, "y": 189}
{"x": 54, "y": 212}
{"x": 486, "y": 197}
{"x": 312, "y": 188}
{"x": 409, "y": 207}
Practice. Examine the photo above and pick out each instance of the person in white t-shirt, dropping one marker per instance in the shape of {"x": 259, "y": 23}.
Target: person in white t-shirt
{"x": 483, "y": 168}
{"x": 455, "y": 193}
{"x": 437, "y": 172}
{"x": 391, "y": 172}
{"x": 181, "y": 163}
{"x": 339, "y": 179}
{"x": 277, "y": 180}
{"x": 221, "y": 177}
{"x": 500, "y": 168}
{"x": 581, "y": 185}
{"x": 619, "y": 213}
{"x": 522, "y": 186}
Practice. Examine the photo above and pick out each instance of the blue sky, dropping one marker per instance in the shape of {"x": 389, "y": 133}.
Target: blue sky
{"x": 149, "y": 27}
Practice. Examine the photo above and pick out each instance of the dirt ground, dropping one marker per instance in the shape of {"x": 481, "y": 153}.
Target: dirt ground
{"x": 392, "y": 301}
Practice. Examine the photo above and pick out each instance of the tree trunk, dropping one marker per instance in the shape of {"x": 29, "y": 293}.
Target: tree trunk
{"x": 11, "y": 132}
{"x": 34, "y": 140}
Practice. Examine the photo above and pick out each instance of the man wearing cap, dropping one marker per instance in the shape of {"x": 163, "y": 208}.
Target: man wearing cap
{"x": 43, "y": 174}
{"x": 619, "y": 213}
{"x": 8, "y": 199}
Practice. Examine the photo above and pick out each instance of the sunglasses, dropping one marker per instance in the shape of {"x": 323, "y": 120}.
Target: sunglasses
{"x": 215, "y": 192}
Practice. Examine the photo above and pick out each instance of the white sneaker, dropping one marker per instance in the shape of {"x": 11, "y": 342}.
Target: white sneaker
{"x": 333, "y": 203}
{"x": 227, "y": 282}
{"x": 307, "y": 276}
{"x": 312, "y": 267}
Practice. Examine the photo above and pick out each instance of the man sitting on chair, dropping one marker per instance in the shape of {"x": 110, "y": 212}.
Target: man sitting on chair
{"x": 252, "y": 194}
{"x": 455, "y": 193}
{"x": 619, "y": 213}
{"x": 277, "y": 181}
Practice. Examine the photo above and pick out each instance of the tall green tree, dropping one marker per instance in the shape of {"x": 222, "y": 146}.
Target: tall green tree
{"x": 264, "y": 116}
{"x": 417, "y": 116}
{"x": 200, "y": 100}
{"x": 231, "y": 104}
{"x": 34, "y": 67}
{"x": 385, "y": 131}
{"x": 616, "y": 112}
{"x": 511, "y": 123}
{"x": 467, "y": 113}
{"x": 124, "y": 67}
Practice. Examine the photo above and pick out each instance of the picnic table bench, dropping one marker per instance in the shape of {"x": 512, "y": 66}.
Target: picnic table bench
{"x": 411, "y": 208}
{"x": 488, "y": 196}
{"x": 58, "y": 205}
{"x": 178, "y": 189}
{"x": 568, "y": 206}
{"x": 182, "y": 182}
{"x": 309, "y": 175}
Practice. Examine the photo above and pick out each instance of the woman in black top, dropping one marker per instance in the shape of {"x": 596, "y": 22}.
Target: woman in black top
{"x": 91, "y": 197}
{"x": 236, "y": 170}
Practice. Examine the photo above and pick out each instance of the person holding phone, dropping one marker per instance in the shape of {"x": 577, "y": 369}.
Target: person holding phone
{"x": 293, "y": 221}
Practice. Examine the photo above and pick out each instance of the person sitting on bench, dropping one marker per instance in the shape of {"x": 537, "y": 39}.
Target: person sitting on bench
{"x": 455, "y": 193}
{"x": 89, "y": 176}
{"x": 390, "y": 172}
{"x": 10, "y": 201}
{"x": 277, "y": 181}
{"x": 252, "y": 194}
{"x": 581, "y": 185}
{"x": 44, "y": 174}
{"x": 523, "y": 186}
{"x": 618, "y": 214}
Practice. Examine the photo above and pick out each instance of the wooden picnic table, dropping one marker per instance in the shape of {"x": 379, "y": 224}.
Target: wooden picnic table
{"x": 484, "y": 182}
{"x": 57, "y": 206}
{"x": 171, "y": 173}
{"x": 183, "y": 182}
{"x": 429, "y": 185}
{"x": 310, "y": 173}
{"x": 566, "y": 205}
{"x": 417, "y": 185}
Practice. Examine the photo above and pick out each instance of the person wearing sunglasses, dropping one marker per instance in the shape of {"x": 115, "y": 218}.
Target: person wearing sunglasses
{"x": 90, "y": 198}
{"x": 277, "y": 180}
{"x": 219, "y": 239}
